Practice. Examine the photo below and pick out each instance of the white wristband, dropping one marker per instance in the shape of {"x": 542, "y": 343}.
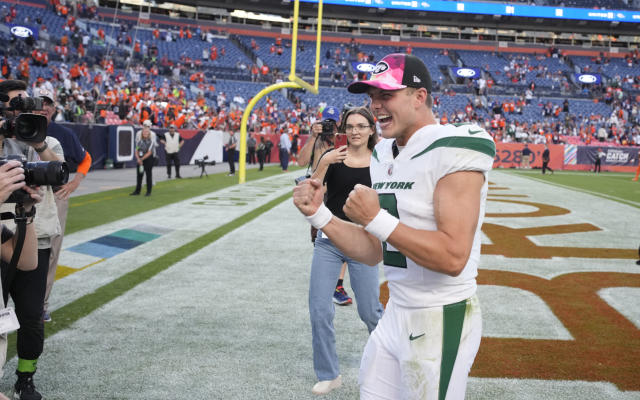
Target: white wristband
{"x": 382, "y": 225}
{"x": 321, "y": 217}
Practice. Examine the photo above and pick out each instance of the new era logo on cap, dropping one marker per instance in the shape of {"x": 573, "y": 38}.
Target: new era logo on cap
{"x": 394, "y": 72}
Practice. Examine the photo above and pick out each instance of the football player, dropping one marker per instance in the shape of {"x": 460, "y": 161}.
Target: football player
{"x": 422, "y": 218}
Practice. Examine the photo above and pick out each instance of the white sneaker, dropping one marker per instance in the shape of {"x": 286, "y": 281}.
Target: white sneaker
{"x": 324, "y": 387}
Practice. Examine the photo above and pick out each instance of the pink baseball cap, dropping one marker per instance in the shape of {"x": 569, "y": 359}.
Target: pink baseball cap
{"x": 396, "y": 71}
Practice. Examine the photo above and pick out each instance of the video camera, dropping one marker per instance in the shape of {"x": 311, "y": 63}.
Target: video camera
{"x": 203, "y": 163}
{"x": 26, "y": 126}
{"x": 37, "y": 173}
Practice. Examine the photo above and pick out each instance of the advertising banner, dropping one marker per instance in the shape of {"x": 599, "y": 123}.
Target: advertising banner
{"x": 23, "y": 31}
{"x": 509, "y": 155}
{"x": 362, "y": 67}
{"x": 613, "y": 156}
{"x": 589, "y": 78}
{"x": 465, "y": 72}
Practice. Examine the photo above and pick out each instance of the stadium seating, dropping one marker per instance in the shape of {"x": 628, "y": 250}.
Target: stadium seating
{"x": 229, "y": 73}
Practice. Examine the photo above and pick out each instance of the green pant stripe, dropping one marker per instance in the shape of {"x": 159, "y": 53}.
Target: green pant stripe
{"x": 452, "y": 330}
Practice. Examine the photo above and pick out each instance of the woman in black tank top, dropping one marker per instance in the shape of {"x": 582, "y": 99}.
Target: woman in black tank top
{"x": 341, "y": 169}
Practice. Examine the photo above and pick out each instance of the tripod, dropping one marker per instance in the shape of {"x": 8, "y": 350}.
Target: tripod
{"x": 202, "y": 164}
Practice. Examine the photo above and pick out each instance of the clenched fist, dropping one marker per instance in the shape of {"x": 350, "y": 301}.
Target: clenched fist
{"x": 308, "y": 196}
{"x": 362, "y": 205}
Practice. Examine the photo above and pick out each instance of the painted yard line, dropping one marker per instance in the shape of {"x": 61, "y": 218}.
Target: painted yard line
{"x": 606, "y": 196}
{"x": 182, "y": 222}
{"x": 68, "y": 314}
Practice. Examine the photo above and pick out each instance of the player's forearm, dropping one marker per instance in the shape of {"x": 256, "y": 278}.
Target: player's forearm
{"x": 354, "y": 241}
{"x": 434, "y": 250}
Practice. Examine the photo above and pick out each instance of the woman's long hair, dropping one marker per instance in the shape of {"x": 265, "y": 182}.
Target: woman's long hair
{"x": 365, "y": 112}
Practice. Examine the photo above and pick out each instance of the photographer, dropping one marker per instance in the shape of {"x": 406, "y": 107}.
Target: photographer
{"x": 320, "y": 143}
{"x": 73, "y": 151}
{"x": 27, "y": 289}
{"x": 320, "y": 139}
{"x": 12, "y": 179}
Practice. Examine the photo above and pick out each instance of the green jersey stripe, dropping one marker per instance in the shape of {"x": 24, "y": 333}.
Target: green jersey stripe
{"x": 375, "y": 155}
{"x": 453, "y": 315}
{"x": 485, "y": 146}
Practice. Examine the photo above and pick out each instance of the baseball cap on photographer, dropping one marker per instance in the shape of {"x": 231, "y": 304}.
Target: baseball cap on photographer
{"x": 147, "y": 122}
{"x": 396, "y": 71}
{"x": 330, "y": 112}
{"x": 42, "y": 92}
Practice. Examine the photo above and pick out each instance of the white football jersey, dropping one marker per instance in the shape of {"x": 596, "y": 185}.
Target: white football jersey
{"x": 405, "y": 186}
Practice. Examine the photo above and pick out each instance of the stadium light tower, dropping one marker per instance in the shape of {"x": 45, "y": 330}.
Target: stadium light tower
{"x": 294, "y": 82}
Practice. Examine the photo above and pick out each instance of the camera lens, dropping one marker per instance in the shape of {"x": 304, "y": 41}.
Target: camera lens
{"x": 30, "y": 127}
{"x": 54, "y": 173}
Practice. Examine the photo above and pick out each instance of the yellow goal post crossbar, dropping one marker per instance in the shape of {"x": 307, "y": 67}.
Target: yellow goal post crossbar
{"x": 294, "y": 82}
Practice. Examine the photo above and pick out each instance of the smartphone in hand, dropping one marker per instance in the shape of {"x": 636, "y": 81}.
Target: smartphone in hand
{"x": 340, "y": 140}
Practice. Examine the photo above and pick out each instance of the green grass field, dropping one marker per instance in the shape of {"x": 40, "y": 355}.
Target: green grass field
{"x": 100, "y": 208}
{"x": 112, "y": 325}
{"x": 615, "y": 186}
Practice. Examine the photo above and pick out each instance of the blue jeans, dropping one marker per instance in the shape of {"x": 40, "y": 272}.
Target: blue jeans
{"x": 325, "y": 271}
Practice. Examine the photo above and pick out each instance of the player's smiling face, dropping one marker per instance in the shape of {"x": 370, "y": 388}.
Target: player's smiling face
{"x": 394, "y": 111}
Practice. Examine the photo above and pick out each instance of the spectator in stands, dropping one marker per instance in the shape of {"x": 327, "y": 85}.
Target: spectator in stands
{"x": 6, "y": 68}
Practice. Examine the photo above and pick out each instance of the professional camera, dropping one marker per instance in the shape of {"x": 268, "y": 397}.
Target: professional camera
{"x": 26, "y": 126}
{"x": 38, "y": 173}
{"x": 328, "y": 128}
{"x": 203, "y": 163}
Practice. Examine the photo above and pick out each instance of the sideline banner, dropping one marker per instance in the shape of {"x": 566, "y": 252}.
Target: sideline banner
{"x": 618, "y": 156}
{"x": 618, "y": 159}
{"x": 509, "y": 155}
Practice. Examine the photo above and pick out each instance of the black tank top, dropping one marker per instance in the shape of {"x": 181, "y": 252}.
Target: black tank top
{"x": 340, "y": 180}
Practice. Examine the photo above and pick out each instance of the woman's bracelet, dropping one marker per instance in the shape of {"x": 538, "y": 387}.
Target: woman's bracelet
{"x": 382, "y": 225}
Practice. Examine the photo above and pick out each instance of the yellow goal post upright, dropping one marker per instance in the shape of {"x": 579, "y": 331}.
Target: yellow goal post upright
{"x": 294, "y": 82}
